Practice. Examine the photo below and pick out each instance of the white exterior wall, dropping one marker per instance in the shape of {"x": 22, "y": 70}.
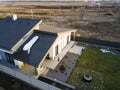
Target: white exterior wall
{"x": 16, "y": 62}
{"x": 61, "y": 42}
{"x": 37, "y": 27}
{"x": 3, "y": 56}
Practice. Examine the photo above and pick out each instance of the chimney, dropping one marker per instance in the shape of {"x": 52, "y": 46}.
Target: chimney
{"x": 14, "y": 17}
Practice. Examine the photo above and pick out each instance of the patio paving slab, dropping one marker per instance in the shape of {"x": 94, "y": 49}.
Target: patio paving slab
{"x": 69, "y": 61}
{"x": 76, "y": 49}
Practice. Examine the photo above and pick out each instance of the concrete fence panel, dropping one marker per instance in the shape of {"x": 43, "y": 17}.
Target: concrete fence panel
{"x": 22, "y": 77}
{"x": 39, "y": 84}
{"x": 8, "y": 70}
{"x": 32, "y": 81}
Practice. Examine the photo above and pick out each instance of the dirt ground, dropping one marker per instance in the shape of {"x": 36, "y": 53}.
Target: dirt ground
{"x": 89, "y": 22}
{"x": 92, "y": 25}
{"x": 9, "y": 83}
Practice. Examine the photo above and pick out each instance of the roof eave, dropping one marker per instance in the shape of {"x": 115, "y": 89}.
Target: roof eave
{"x": 46, "y": 32}
{"x": 74, "y": 30}
{"x": 7, "y": 51}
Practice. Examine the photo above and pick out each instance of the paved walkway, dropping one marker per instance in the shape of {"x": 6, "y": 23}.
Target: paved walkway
{"x": 66, "y": 49}
{"x": 76, "y": 49}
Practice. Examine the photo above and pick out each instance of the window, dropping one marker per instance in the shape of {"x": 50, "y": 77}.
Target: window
{"x": 56, "y": 50}
{"x": 3, "y": 56}
{"x": 0, "y": 58}
{"x": 67, "y": 39}
{"x": 48, "y": 57}
{"x": 10, "y": 59}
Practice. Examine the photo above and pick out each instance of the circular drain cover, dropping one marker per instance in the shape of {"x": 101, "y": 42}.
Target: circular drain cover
{"x": 87, "y": 77}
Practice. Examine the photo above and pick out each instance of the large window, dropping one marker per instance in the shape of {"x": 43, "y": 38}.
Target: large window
{"x": 10, "y": 59}
{"x": 3, "y": 56}
{"x": 0, "y": 58}
{"x": 67, "y": 39}
{"x": 56, "y": 50}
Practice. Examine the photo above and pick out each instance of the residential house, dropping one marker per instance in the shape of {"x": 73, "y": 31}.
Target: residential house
{"x": 27, "y": 44}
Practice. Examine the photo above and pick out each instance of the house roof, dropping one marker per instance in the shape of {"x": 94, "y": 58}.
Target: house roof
{"x": 55, "y": 29}
{"x": 39, "y": 50}
{"x": 12, "y": 31}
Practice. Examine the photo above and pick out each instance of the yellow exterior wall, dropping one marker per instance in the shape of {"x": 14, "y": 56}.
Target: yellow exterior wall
{"x": 21, "y": 64}
{"x": 37, "y": 71}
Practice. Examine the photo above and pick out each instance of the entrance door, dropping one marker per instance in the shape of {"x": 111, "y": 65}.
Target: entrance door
{"x": 3, "y": 56}
{"x": 10, "y": 59}
{"x": 72, "y": 36}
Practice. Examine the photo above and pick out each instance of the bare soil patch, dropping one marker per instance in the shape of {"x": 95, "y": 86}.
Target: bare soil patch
{"x": 9, "y": 83}
{"x": 90, "y": 22}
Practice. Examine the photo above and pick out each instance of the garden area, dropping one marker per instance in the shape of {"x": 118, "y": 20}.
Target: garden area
{"x": 103, "y": 67}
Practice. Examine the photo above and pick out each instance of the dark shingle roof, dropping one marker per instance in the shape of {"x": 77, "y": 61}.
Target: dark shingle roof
{"x": 38, "y": 50}
{"x": 12, "y": 31}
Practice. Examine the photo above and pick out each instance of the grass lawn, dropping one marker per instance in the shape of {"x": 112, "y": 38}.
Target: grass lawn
{"x": 104, "y": 68}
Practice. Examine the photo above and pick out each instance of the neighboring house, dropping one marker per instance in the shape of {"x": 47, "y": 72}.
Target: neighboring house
{"x": 25, "y": 42}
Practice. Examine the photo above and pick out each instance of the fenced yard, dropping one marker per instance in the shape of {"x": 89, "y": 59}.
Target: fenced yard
{"x": 103, "y": 67}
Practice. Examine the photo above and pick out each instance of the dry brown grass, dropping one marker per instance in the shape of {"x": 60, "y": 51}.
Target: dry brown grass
{"x": 26, "y": 12}
{"x": 99, "y": 26}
